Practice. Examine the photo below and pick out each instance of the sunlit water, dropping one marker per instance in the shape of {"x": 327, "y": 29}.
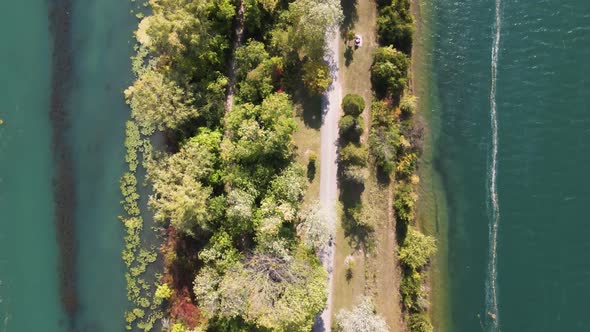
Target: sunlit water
{"x": 531, "y": 272}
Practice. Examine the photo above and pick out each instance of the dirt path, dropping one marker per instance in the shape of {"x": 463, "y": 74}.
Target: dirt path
{"x": 329, "y": 167}
{"x": 238, "y": 39}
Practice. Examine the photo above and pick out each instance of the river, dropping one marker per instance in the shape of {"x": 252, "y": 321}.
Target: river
{"x": 61, "y": 155}
{"x": 516, "y": 231}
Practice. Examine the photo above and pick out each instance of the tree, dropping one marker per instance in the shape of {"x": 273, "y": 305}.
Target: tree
{"x": 259, "y": 83}
{"x": 158, "y": 103}
{"x": 416, "y": 249}
{"x": 361, "y": 318}
{"x": 307, "y": 22}
{"x": 389, "y": 71}
{"x": 179, "y": 193}
{"x": 260, "y": 132}
{"x": 290, "y": 185}
{"x": 279, "y": 293}
{"x": 316, "y": 76}
{"x": 353, "y": 105}
{"x": 249, "y": 57}
{"x": 316, "y": 226}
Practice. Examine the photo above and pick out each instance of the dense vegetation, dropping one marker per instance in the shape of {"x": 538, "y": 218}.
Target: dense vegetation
{"x": 395, "y": 24}
{"x": 238, "y": 252}
{"x": 395, "y": 143}
{"x": 361, "y": 318}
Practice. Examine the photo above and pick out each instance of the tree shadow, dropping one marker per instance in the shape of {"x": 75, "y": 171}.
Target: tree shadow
{"x": 348, "y": 56}
{"x": 311, "y": 170}
{"x": 358, "y": 233}
{"x": 311, "y": 108}
{"x": 311, "y": 104}
{"x": 350, "y": 15}
{"x": 383, "y": 177}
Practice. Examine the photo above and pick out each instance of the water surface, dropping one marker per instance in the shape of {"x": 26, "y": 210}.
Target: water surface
{"x": 96, "y": 70}
{"x": 543, "y": 134}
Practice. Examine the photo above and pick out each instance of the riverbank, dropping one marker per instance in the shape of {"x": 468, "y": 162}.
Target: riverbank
{"x": 432, "y": 215}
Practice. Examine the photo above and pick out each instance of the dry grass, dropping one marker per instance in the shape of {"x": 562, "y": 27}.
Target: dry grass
{"x": 308, "y": 141}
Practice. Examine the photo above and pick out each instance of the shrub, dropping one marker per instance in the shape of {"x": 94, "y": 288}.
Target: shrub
{"x": 404, "y": 202}
{"x": 416, "y": 249}
{"x": 411, "y": 289}
{"x": 395, "y": 25}
{"x": 353, "y": 104}
{"x": 419, "y": 323}
{"x": 381, "y": 114}
{"x": 354, "y": 155}
{"x": 383, "y": 144}
{"x": 356, "y": 174}
{"x": 351, "y": 128}
{"x": 389, "y": 72}
{"x": 407, "y": 164}
{"x": 408, "y": 105}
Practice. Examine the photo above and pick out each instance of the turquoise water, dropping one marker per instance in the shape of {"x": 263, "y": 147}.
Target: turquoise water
{"x": 102, "y": 31}
{"x": 538, "y": 278}
{"x": 100, "y": 37}
{"x": 29, "y": 298}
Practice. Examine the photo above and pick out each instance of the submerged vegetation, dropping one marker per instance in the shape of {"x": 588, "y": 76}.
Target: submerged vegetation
{"x": 238, "y": 251}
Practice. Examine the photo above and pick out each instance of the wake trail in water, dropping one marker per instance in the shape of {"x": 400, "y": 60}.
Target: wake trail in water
{"x": 491, "y": 290}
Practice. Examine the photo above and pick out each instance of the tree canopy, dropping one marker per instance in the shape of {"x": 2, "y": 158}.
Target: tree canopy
{"x": 361, "y": 318}
{"x": 280, "y": 293}
{"x": 308, "y": 21}
{"x": 158, "y": 103}
{"x": 179, "y": 182}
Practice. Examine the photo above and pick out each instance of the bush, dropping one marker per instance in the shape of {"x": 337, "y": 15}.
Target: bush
{"x": 383, "y": 144}
{"x": 404, "y": 202}
{"x": 353, "y": 155}
{"x": 312, "y": 165}
{"x": 389, "y": 72}
{"x": 416, "y": 249}
{"x": 353, "y": 105}
{"x": 419, "y": 323}
{"x": 395, "y": 25}
{"x": 381, "y": 114}
{"x": 351, "y": 128}
{"x": 408, "y": 105}
{"x": 411, "y": 289}
{"x": 407, "y": 164}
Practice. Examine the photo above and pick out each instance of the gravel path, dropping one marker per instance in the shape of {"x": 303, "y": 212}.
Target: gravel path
{"x": 329, "y": 168}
